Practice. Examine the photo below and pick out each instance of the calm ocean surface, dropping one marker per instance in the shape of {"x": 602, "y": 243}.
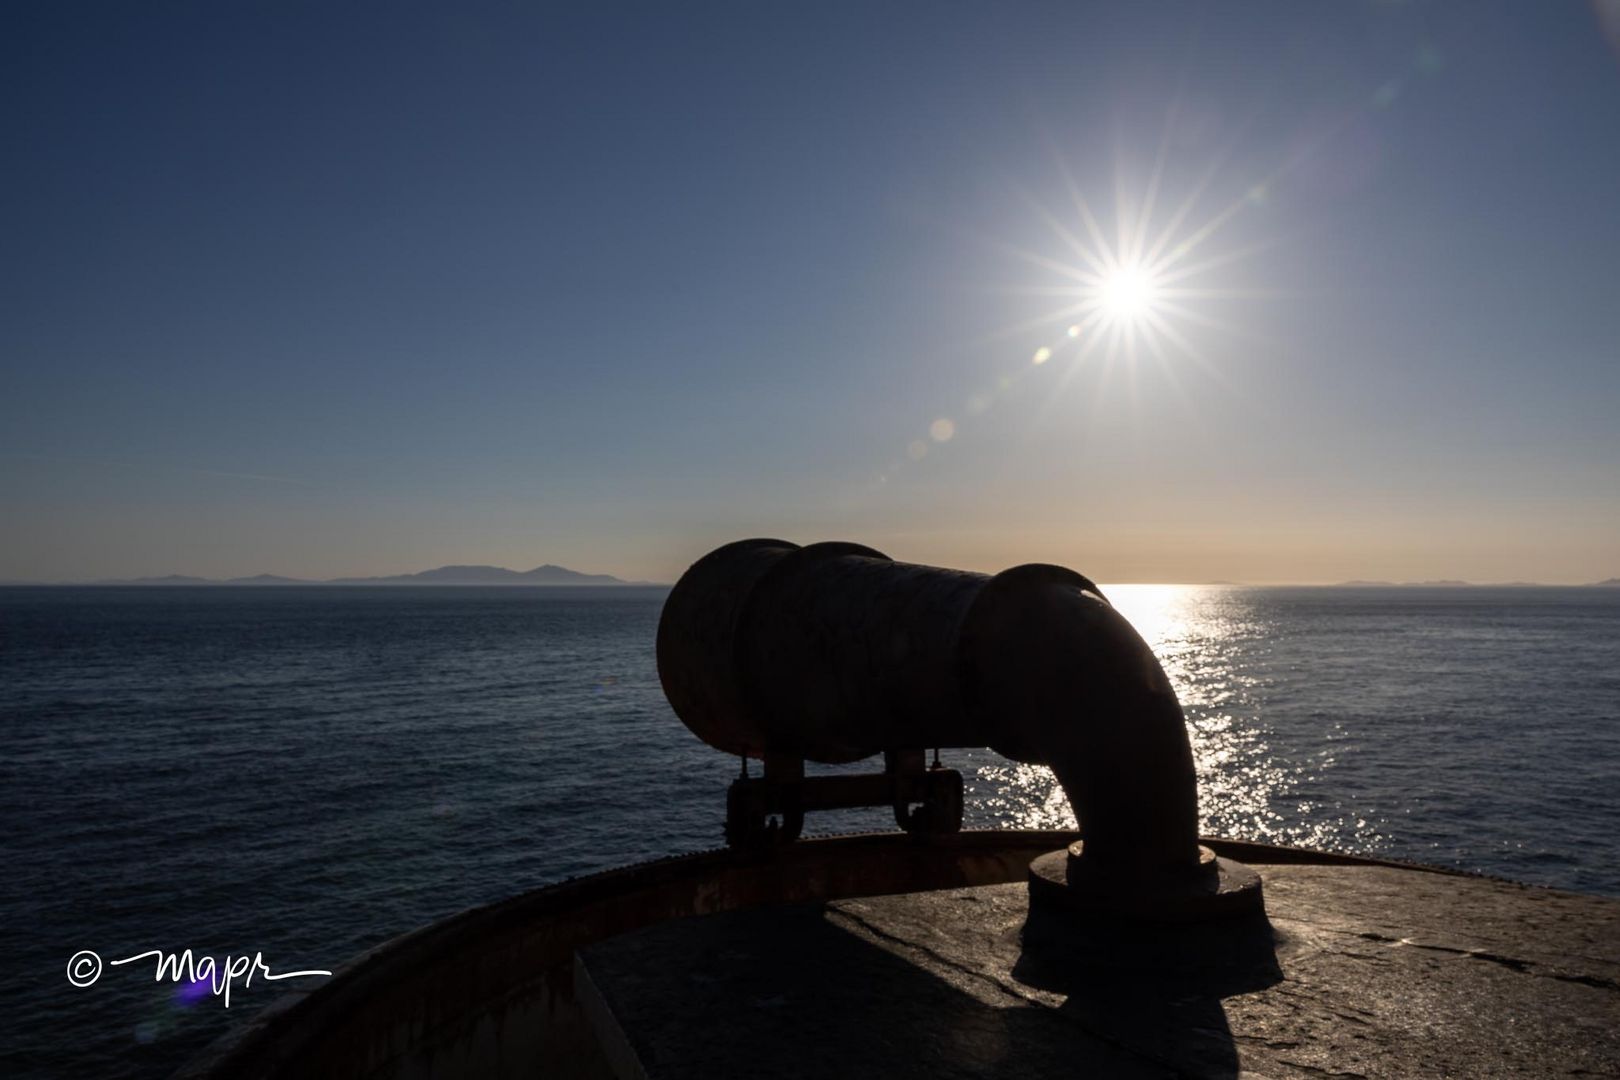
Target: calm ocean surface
{"x": 308, "y": 772}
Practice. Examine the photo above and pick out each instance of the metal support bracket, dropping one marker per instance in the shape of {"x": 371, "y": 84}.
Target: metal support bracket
{"x": 770, "y": 809}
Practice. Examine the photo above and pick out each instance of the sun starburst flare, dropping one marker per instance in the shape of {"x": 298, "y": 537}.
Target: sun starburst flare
{"x": 1129, "y": 296}
{"x": 1131, "y": 288}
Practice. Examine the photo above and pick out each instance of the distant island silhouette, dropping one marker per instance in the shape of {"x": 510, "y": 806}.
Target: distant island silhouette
{"x": 1449, "y": 583}
{"x": 549, "y": 574}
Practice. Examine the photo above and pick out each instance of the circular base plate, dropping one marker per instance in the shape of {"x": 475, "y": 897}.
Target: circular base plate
{"x": 1217, "y": 889}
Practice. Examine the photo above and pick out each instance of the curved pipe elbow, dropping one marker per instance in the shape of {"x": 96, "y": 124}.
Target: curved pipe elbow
{"x": 1060, "y": 678}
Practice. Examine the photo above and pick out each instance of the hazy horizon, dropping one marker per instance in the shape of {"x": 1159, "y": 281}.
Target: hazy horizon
{"x": 390, "y": 578}
{"x": 1269, "y": 293}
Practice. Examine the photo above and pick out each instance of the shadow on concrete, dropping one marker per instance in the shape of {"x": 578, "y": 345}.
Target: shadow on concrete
{"x": 1153, "y": 990}
{"x": 791, "y": 992}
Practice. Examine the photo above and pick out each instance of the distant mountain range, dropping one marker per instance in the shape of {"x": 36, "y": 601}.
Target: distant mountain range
{"x": 486, "y": 575}
{"x": 444, "y": 575}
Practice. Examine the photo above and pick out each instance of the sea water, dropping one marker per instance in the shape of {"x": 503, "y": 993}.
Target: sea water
{"x": 302, "y": 773}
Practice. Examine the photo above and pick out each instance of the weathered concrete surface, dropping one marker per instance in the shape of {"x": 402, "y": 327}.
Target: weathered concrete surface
{"x": 489, "y": 993}
{"x": 1362, "y": 971}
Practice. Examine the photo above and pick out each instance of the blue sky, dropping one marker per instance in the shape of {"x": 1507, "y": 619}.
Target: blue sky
{"x": 350, "y": 289}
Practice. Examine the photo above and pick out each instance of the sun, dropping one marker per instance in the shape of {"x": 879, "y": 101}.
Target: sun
{"x": 1126, "y": 295}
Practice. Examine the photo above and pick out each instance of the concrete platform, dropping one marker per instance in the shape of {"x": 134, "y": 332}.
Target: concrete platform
{"x": 1361, "y": 971}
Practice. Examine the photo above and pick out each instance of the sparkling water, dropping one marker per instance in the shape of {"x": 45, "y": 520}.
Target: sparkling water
{"x": 305, "y": 772}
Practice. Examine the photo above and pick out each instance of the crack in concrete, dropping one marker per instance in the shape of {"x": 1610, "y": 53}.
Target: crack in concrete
{"x": 1512, "y": 963}
{"x": 1343, "y": 927}
{"x": 1289, "y": 998}
{"x": 1317, "y": 1071}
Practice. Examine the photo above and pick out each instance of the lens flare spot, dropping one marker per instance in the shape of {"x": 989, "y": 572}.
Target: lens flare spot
{"x": 941, "y": 430}
{"x": 917, "y": 450}
{"x": 189, "y": 993}
{"x": 1042, "y": 355}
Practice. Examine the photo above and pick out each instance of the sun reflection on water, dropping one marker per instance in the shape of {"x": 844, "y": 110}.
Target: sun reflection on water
{"x": 1213, "y": 645}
